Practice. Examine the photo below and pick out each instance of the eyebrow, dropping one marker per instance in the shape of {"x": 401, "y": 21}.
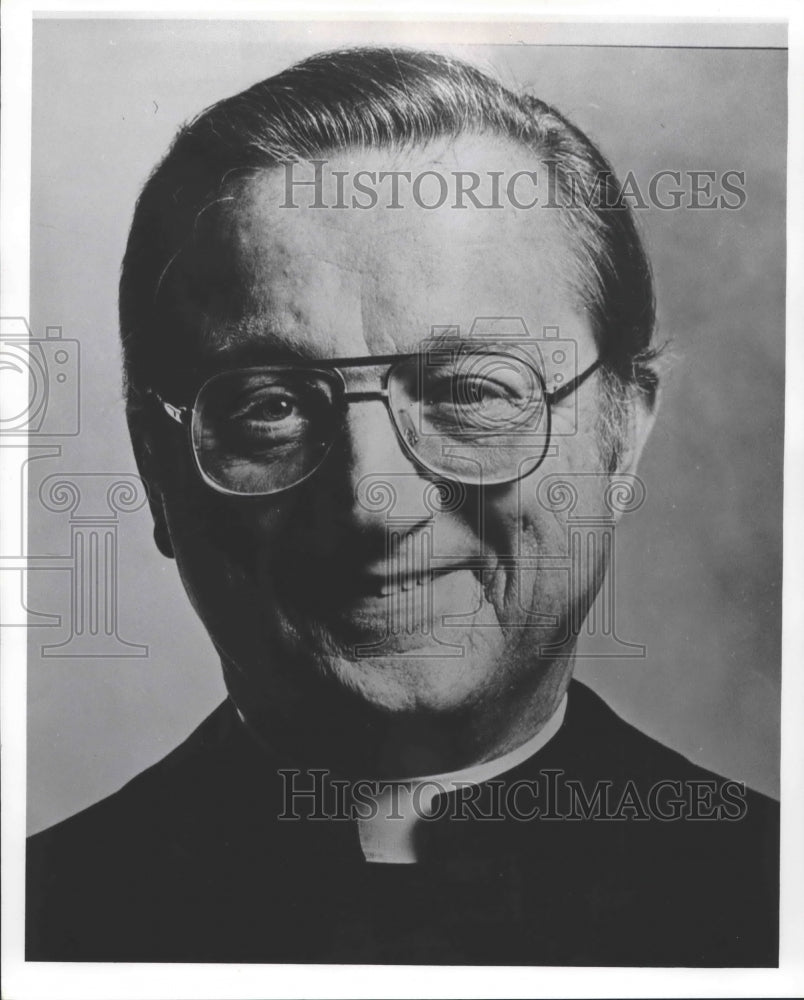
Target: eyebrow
{"x": 253, "y": 345}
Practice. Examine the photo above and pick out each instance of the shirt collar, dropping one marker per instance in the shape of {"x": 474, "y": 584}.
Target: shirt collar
{"x": 393, "y": 814}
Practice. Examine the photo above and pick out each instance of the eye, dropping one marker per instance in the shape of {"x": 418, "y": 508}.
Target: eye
{"x": 477, "y": 391}
{"x": 457, "y": 389}
{"x": 268, "y": 406}
{"x": 269, "y": 416}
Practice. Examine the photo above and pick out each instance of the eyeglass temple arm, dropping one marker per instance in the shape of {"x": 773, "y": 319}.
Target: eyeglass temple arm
{"x": 178, "y": 413}
{"x": 565, "y": 390}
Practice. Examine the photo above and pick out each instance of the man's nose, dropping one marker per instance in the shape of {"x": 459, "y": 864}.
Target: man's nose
{"x": 378, "y": 481}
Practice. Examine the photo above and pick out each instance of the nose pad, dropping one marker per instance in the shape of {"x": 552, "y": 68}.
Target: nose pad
{"x": 409, "y": 432}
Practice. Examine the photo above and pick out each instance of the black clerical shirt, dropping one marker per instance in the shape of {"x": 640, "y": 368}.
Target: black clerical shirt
{"x": 604, "y": 848}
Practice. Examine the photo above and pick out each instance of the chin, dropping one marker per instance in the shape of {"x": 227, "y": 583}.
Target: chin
{"x": 358, "y": 665}
{"x": 411, "y": 673}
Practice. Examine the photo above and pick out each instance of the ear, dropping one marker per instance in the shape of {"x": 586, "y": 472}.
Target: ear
{"x": 147, "y": 466}
{"x": 641, "y": 418}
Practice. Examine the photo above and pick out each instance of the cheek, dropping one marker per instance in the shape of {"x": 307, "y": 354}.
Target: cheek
{"x": 518, "y": 524}
{"x": 526, "y": 541}
{"x": 223, "y": 529}
{"x": 547, "y": 535}
{"x": 224, "y": 549}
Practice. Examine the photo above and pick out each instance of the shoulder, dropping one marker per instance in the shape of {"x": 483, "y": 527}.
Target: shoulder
{"x": 155, "y": 833}
{"x": 691, "y": 856}
{"x": 598, "y": 738}
{"x": 602, "y": 758}
{"x": 152, "y": 791}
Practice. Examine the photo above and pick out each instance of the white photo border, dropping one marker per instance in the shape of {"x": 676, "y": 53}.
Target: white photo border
{"x": 700, "y": 22}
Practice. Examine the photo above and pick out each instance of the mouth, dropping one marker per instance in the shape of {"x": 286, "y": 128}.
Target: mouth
{"x": 410, "y": 604}
{"x": 409, "y": 596}
{"x": 399, "y": 580}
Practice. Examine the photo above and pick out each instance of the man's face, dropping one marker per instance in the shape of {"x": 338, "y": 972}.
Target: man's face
{"x": 319, "y": 598}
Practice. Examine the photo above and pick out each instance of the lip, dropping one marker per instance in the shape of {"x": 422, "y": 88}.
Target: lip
{"x": 409, "y": 605}
{"x": 400, "y": 602}
{"x": 387, "y": 584}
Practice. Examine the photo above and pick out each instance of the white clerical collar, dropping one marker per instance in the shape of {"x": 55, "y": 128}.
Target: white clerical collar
{"x": 387, "y": 836}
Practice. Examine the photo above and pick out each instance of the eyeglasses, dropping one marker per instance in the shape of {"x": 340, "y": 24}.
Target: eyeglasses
{"x": 477, "y": 416}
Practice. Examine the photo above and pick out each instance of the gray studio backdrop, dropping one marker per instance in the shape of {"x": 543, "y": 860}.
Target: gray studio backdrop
{"x": 120, "y": 671}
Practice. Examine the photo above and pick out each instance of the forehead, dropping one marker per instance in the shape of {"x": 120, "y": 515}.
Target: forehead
{"x": 335, "y": 282}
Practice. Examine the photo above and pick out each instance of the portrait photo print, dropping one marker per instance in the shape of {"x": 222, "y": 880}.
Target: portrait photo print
{"x": 404, "y": 476}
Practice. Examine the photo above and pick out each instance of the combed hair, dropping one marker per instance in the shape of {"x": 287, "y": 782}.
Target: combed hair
{"x": 378, "y": 98}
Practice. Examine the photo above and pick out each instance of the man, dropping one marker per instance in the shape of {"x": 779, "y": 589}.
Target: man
{"x": 339, "y": 307}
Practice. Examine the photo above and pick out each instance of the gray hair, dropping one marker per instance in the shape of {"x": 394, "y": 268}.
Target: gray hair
{"x": 375, "y": 98}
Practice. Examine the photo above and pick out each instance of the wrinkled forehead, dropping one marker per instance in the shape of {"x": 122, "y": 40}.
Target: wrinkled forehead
{"x": 350, "y": 256}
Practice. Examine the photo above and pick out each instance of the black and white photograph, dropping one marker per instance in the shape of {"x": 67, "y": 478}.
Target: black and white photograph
{"x": 396, "y": 439}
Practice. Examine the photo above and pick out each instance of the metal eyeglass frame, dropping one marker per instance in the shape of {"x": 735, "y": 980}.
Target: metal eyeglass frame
{"x": 331, "y": 370}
